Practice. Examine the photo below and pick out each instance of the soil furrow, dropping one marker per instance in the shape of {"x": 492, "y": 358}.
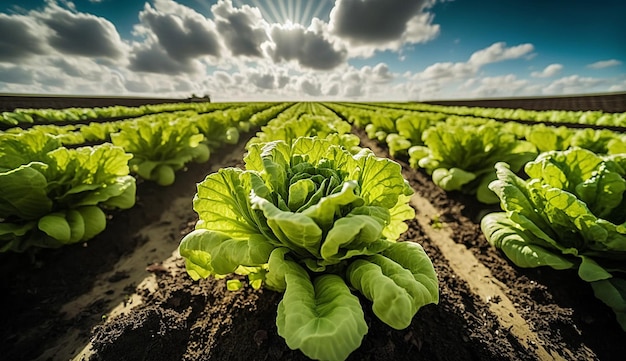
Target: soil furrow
{"x": 481, "y": 280}
{"x": 113, "y": 291}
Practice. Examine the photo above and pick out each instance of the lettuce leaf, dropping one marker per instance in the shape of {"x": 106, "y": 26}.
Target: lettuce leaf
{"x": 303, "y": 210}
{"x": 462, "y": 157}
{"x": 569, "y": 214}
{"x": 52, "y": 196}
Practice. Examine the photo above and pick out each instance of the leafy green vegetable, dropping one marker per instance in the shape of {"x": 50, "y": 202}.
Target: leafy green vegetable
{"x": 298, "y": 218}
{"x": 331, "y": 128}
{"x": 399, "y": 281}
{"x": 161, "y": 146}
{"x": 53, "y": 196}
{"x": 461, "y": 157}
{"x": 571, "y": 213}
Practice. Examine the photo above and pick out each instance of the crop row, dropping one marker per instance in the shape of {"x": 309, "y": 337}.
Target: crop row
{"x": 53, "y": 196}
{"x": 568, "y": 211}
{"x": 588, "y": 117}
{"x": 460, "y": 151}
{"x": 25, "y": 116}
{"x": 316, "y": 216}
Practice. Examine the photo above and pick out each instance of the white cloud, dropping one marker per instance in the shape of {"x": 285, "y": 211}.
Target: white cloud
{"x": 182, "y": 32}
{"x": 619, "y": 87}
{"x": 498, "y": 52}
{"x": 152, "y": 58}
{"x": 242, "y": 29}
{"x": 176, "y": 40}
{"x": 448, "y": 71}
{"x": 16, "y": 75}
{"x": 55, "y": 30}
{"x": 497, "y": 86}
{"x": 232, "y": 53}
{"x": 309, "y": 86}
{"x": 80, "y": 33}
{"x": 379, "y": 74}
{"x": 573, "y": 84}
{"x": 366, "y": 26}
{"x": 21, "y": 37}
{"x": 548, "y": 72}
{"x": 308, "y": 47}
{"x": 604, "y": 64}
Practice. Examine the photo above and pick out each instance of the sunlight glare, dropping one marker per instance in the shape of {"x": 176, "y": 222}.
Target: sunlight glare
{"x": 283, "y": 11}
{"x": 289, "y": 11}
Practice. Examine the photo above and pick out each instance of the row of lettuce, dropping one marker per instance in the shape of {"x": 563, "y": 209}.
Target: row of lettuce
{"x": 562, "y": 191}
{"x": 23, "y": 116}
{"x": 54, "y": 195}
{"x": 318, "y": 218}
{"x": 588, "y": 117}
{"x": 26, "y": 116}
{"x": 460, "y": 152}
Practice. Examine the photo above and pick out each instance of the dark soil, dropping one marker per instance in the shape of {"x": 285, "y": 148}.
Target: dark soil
{"x": 611, "y": 103}
{"x": 179, "y": 319}
{"x": 10, "y": 102}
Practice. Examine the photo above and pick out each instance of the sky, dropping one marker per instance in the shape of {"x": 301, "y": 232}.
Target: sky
{"x": 360, "y": 50}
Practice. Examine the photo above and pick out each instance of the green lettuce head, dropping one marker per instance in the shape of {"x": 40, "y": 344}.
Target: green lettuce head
{"x": 310, "y": 219}
{"x": 570, "y": 213}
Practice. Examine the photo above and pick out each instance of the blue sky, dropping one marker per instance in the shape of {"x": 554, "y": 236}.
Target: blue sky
{"x": 308, "y": 50}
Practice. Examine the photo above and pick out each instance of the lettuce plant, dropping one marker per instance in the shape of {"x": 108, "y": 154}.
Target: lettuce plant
{"x": 52, "y": 196}
{"x": 461, "y": 157}
{"x": 312, "y": 220}
{"x": 331, "y": 128}
{"x": 410, "y": 129}
{"x": 161, "y": 145}
{"x": 571, "y": 213}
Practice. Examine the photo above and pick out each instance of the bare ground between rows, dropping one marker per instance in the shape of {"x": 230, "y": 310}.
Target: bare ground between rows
{"x": 179, "y": 319}
{"x": 8, "y": 103}
{"x": 611, "y": 103}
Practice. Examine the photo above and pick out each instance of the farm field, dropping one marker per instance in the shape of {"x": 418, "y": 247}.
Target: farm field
{"x": 125, "y": 294}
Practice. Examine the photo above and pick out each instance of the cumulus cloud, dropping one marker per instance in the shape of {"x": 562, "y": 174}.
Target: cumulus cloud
{"x": 454, "y": 79}
{"x": 548, "y": 72}
{"x": 379, "y": 73}
{"x": 373, "y": 21}
{"x": 448, "y": 71}
{"x": 264, "y": 81}
{"x": 176, "y": 38}
{"x": 243, "y": 29}
{"x": 353, "y": 91}
{"x": 151, "y": 58}
{"x": 619, "y": 87}
{"x": 309, "y": 86}
{"x": 505, "y": 85}
{"x": 366, "y": 26}
{"x": 57, "y": 30}
{"x": 604, "y": 64}
{"x": 83, "y": 68}
{"x": 182, "y": 32}
{"x": 223, "y": 77}
{"x": 308, "y": 48}
{"x": 332, "y": 89}
{"x": 49, "y": 76}
{"x": 498, "y": 52}
{"x": 18, "y": 38}
{"x": 16, "y": 75}
{"x": 573, "y": 84}
{"x": 80, "y": 33}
